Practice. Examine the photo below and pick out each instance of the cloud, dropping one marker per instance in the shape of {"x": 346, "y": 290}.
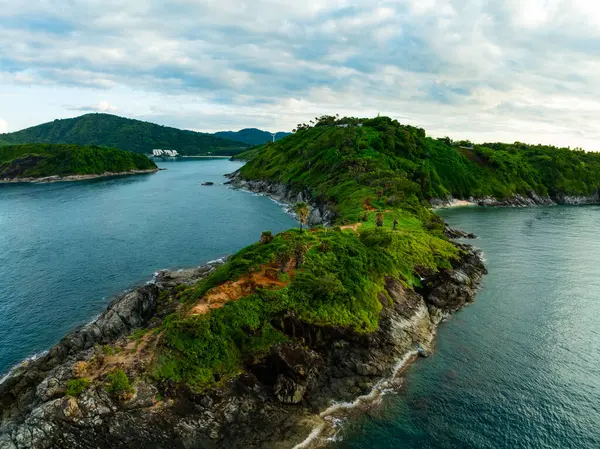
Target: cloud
{"x": 3, "y": 126}
{"x": 103, "y": 106}
{"x": 513, "y": 70}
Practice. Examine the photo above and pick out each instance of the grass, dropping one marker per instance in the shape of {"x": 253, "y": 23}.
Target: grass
{"x": 338, "y": 285}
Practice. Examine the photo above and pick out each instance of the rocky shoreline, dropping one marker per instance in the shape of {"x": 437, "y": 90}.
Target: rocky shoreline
{"x": 71, "y": 178}
{"x": 531, "y": 199}
{"x": 276, "y": 403}
{"x": 321, "y": 213}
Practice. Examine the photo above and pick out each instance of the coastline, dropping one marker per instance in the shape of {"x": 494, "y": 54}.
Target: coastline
{"x": 346, "y": 371}
{"x": 32, "y": 394}
{"x": 73, "y": 178}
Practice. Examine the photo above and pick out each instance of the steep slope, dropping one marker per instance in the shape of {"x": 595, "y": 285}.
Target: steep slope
{"x": 125, "y": 134}
{"x": 43, "y": 160}
{"x": 251, "y": 136}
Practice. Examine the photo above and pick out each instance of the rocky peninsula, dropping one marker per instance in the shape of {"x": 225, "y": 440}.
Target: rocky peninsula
{"x": 274, "y": 403}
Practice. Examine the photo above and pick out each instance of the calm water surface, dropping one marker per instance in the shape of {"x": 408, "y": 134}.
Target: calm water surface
{"x": 66, "y": 248}
{"x": 521, "y": 367}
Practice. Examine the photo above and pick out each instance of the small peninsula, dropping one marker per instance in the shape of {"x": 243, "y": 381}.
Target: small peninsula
{"x": 38, "y": 162}
{"x": 257, "y": 350}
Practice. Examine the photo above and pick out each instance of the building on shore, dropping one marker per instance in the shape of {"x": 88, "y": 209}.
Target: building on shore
{"x": 164, "y": 153}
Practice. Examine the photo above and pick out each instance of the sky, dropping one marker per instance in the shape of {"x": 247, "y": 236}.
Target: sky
{"x": 511, "y": 70}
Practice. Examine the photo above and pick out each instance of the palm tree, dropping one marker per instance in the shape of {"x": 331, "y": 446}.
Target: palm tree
{"x": 300, "y": 253}
{"x": 303, "y": 211}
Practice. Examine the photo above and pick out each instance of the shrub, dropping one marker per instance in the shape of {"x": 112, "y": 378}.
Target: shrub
{"x": 77, "y": 386}
{"x": 118, "y": 384}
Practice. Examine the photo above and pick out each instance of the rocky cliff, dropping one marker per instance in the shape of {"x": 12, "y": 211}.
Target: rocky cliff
{"x": 274, "y": 403}
{"x": 321, "y": 213}
{"x": 531, "y": 199}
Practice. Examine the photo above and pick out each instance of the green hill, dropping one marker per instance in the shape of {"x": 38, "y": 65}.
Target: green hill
{"x": 41, "y": 160}
{"x": 251, "y": 136}
{"x": 389, "y": 165}
{"x": 123, "y": 133}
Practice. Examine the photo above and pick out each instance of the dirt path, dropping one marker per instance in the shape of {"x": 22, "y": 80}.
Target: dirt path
{"x": 354, "y": 226}
{"x": 267, "y": 277}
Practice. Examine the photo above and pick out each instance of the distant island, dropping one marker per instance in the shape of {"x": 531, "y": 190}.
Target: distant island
{"x": 126, "y": 134}
{"x": 48, "y": 162}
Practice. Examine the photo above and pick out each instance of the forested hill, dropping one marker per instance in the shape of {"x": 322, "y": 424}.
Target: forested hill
{"x": 385, "y": 164}
{"x": 251, "y": 136}
{"x": 125, "y": 134}
{"x": 41, "y": 160}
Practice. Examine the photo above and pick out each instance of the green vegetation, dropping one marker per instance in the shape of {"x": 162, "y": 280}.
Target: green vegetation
{"x": 377, "y": 177}
{"x": 118, "y": 383}
{"x": 338, "y": 282}
{"x": 391, "y": 166}
{"x": 251, "y": 136}
{"x": 77, "y": 386}
{"x": 111, "y": 350}
{"x": 39, "y": 160}
{"x": 126, "y": 134}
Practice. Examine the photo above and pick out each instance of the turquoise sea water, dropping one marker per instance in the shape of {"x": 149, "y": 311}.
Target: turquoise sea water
{"x": 66, "y": 248}
{"x": 520, "y": 368}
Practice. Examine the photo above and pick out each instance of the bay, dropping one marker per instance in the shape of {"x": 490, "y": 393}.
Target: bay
{"x": 67, "y": 248}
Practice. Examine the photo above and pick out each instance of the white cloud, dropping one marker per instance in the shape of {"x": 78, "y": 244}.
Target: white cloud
{"x": 513, "y": 70}
{"x": 3, "y": 126}
{"x": 105, "y": 106}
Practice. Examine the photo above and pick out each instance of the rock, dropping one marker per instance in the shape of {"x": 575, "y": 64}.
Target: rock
{"x": 453, "y": 233}
{"x": 207, "y": 183}
{"x": 321, "y": 213}
{"x": 143, "y": 397}
{"x": 298, "y": 369}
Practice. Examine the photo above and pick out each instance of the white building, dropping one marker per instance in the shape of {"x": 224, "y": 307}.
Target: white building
{"x": 168, "y": 153}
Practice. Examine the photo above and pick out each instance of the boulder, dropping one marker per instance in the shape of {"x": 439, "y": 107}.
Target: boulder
{"x": 298, "y": 369}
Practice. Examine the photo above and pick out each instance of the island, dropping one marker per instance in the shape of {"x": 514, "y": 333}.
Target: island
{"x": 39, "y": 162}
{"x": 256, "y": 351}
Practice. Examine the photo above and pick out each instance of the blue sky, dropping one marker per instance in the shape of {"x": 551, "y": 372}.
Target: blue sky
{"x": 525, "y": 70}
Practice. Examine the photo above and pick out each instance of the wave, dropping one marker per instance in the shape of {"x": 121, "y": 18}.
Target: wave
{"x": 27, "y": 360}
{"x": 333, "y": 423}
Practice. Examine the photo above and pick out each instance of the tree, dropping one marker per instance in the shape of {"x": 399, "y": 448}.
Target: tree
{"x": 282, "y": 258}
{"x": 379, "y": 220}
{"x": 266, "y": 237}
{"x": 300, "y": 253}
{"x": 302, "y": 211}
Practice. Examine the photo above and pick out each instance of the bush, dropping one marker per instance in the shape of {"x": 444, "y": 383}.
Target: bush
{"x": 77, "y": 386}
{"x": 118, "y": 383}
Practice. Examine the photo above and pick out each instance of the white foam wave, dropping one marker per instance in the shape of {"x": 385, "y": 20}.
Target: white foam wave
{"x": 381, "y": 388}
{"x": 29, "y": 359}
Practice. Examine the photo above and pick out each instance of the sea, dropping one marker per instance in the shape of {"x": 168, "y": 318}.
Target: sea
{"x": 67, "y": 248}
